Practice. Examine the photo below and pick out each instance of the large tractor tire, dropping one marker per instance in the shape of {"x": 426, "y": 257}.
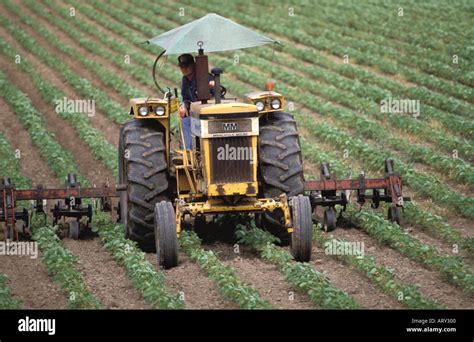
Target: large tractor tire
{"x": 165, "y": 235}
{"x": 143, "y": 168}
{"x": 280, "y": 166}
{"x": 301, "y": 244}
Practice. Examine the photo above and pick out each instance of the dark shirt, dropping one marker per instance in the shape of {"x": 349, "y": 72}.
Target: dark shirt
{"x": 189, "y": 88}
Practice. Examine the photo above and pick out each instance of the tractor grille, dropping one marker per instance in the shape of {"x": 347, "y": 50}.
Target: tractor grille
{"x": 231, "y": 159}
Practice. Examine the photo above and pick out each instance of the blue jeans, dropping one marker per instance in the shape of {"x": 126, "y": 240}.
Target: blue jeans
{"x": 186, "y": 123}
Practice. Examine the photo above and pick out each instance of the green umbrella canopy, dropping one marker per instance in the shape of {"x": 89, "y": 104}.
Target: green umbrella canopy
{"x": 214, "y": 31}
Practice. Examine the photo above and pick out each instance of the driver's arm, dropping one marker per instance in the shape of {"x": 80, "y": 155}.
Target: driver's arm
{"x": 184, "y": 110}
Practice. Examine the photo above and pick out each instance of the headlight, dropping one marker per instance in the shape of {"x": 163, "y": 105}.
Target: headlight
{"x": 276, "y": 103}
{"x": 160, "y": 110}
{"x": 260, "y": 105}
{"x": 143, "y": 111}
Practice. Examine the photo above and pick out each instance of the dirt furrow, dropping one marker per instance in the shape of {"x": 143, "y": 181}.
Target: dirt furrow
{"x": 103, "y": 276}
{"x": 199, "y": 292}
{"x": 264, "y": 277}
{"x": 31, "y": 284}
{"x": 356, "y": 285}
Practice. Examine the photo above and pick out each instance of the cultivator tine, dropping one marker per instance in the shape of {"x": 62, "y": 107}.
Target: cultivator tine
{"x": 325, "y": 192}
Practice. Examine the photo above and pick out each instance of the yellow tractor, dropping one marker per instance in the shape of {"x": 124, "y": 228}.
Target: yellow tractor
{"x": 245, "y": 158}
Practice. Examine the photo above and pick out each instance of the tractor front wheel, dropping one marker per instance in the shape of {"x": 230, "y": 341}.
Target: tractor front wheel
{"x": 301, "y": 243}
{"x": 166, "y": 238}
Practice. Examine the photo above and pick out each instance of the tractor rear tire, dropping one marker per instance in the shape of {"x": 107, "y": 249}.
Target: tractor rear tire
{"x": 143, "y": 168}
{"x": 302, "y": 237}
{"x": 166, "y": 238}
{"x": 280, "y": 166}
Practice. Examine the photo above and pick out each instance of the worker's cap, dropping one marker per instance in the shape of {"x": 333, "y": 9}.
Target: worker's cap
{"x": 185, "y": 60}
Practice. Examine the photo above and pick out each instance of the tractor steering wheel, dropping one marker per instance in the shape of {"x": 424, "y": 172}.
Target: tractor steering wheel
{"x": 222, "y": 88}
{"x": 223, "y": 91}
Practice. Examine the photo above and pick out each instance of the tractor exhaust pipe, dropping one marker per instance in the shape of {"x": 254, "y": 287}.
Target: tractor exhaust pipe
{"x": 202, "y": 77}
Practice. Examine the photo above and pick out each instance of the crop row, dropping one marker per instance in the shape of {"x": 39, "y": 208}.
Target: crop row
{"x": 6, "y": 300}
{"x": 304, "y": 277}
{"x": 229, "y": 284}
{"x": 59, "y": 160}
{"x": 426, "y": 33}
{"x": 149, "y": 281}
{"x": 322, "y": 43}
{"x": 59, "y": 262}
{"x": 451, "y": 267}
{"x": 326, "y": 23}
{"x": 101, "y": 148}
{"x": 9, "y": 166}
{"x": 406, "y": 294}
{"x": 62, "y": 265}
{"x": 461, "y": 170}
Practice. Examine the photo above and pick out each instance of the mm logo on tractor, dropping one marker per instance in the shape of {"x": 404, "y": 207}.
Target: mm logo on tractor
{"x": 230, "y": 126}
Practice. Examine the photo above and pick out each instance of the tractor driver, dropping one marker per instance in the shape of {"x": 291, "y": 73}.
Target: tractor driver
{"x": 188, "y": 93}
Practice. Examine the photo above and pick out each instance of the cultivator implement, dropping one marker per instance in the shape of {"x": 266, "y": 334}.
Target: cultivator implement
{"x": 329, "y": 192}
{"x": 326, "y": 193}
{"x": 69, "y": 205}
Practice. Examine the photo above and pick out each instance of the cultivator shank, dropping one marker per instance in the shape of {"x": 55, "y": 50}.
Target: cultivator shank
{"x": 329, "y": 191}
